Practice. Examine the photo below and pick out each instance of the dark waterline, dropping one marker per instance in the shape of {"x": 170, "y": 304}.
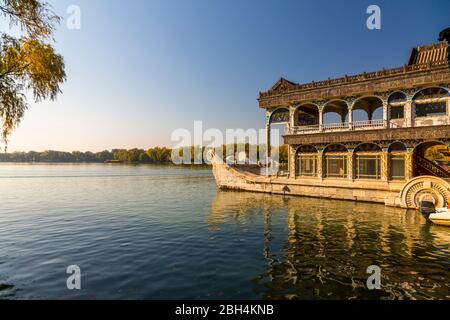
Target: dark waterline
{"x": 158, "y": 232}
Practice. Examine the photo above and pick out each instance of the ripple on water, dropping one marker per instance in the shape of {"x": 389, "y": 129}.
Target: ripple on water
{"x": 148, "y": 232}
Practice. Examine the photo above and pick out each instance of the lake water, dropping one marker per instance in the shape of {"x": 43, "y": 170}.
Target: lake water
{"x": 162, "y": 232}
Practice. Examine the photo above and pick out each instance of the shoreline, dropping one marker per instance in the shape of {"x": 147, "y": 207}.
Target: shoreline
{"x": 109, "y": 163}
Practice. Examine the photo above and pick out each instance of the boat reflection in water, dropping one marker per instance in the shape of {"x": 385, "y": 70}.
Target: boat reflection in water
{"x": 320, "y": 249}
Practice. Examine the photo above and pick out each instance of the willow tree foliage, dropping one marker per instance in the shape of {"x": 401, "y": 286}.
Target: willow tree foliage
{"x": 29, "y": 65}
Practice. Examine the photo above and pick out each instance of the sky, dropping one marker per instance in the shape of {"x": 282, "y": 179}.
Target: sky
{"x": 138, "y": 70}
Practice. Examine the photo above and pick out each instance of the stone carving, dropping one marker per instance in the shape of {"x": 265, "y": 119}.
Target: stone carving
{"x": 425, "y": 188}
{"x": 350, "y": 165}
{"x": 320, "y": 164}
{"x": 384, "y": 166}
{"x": 280, "y": 116}
{"x": 410, "y": 84}
{"x": 408, "y": 164}
{"x": 282, "y": 85}
{"x": 383, "y": 95}
{"x": 350, "y": 100}
{"x": 414, "y": 135}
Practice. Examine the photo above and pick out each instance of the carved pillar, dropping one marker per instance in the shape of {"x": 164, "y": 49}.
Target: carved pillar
{"x": 350, "y": 162}
{"x": 292, "y": 162}
{"x": 291, "y": 117}
{"x": 409, "y": 164}
{"x": 321, "y": 118}
{"x": 448, "y": 110}
{"x": 386, "y": 115}
{"x": 268, "y": 151}
{"x": 409, "y": 113}
{"x": 384, "y": 165}
{"x": 320, "y": 173}
{"x": 350, "y": 118}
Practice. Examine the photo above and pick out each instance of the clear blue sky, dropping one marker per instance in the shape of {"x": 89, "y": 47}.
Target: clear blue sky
{"x": 139, "y": 69}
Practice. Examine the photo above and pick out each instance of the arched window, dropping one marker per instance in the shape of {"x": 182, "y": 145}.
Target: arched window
{"x": 306, "y": 161}
{"x": 306, "y": 115}
{"x": 430, "y": 102}
{"x": 397, "y": 161}
{"x": 335, "y": 115}
{"x": 280, "y": 115}
{"x": 396, "y": 103}
{"x": 367, "y": 109}
{"x": 368, "y": 161}
{"x": 336, "y": 161}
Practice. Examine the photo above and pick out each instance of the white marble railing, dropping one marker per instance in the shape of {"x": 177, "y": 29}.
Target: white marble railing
{"x": 305, "y": 129}
{"x": 342, "y": 126}
{"x": 335, "y": 126}
{"x": 368, "y": 124}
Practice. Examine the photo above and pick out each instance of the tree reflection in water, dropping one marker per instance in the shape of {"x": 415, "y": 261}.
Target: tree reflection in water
{"x": 327, "y": 246}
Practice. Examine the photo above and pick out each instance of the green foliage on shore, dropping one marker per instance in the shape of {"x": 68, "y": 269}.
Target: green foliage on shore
{"x": 160, "y": 155}
{"x": 153, "y": 155}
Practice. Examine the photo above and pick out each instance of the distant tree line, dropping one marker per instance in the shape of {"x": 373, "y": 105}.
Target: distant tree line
{"x": 160, "y": 155}
{"x": 152, "y": 155}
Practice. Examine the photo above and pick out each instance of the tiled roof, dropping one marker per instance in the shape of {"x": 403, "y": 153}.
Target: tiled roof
{"x": 429, "y": 54}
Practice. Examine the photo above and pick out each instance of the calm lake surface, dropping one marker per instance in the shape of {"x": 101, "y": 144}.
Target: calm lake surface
{"x": 162, "y": 232}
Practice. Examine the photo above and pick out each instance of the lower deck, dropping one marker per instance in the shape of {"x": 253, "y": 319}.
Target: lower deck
{"x": 405, "y": 194}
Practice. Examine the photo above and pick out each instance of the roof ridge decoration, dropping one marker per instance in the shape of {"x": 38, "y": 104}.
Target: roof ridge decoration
{"x": 283, "y": 85}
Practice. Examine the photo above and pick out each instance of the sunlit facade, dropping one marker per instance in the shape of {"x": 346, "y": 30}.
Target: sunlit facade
{"x": 379, "y": 137}
{"x": 381, "y": 103}
{"x": 369, "y": 136}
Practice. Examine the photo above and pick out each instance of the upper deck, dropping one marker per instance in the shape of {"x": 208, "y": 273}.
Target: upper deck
{"x": 414, "y": 95}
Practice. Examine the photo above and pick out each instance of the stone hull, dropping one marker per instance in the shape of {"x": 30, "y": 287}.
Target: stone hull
{"x": 397, "y": 194}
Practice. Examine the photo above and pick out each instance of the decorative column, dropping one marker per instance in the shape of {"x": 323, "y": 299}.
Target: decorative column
{"x": 268, "y": 151}
{"x": 291, "y": 162}
{"x": 350, "y": 117}
{"x": 409, "y": 112}
{"x": 386, "y": 115}
{"x": 448, "y": 110}
{"x": 320, "y": 173}
{"x": 409, "y": 164}
{"x": 321, "y": 118}
{"x": 350, "y": 164}
{"x": 291, "y": 118}
{"x": 384, "y": 165}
